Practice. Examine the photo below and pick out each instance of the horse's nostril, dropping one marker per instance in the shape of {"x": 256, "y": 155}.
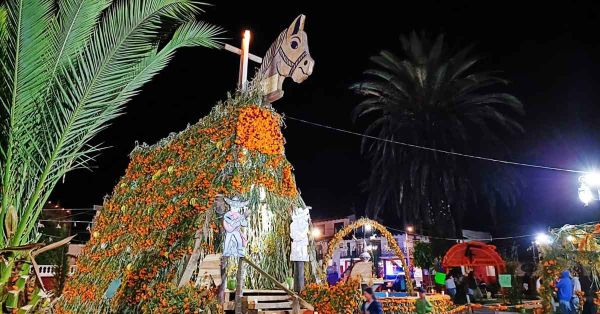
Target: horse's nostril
{"x": 305, "y": 62}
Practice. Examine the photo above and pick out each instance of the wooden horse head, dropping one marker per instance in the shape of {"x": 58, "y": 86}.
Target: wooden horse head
{"x": 288, "y": 56}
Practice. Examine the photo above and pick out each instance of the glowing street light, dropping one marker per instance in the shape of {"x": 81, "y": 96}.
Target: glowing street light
{"x": 591, "y": 178}
{"x": 585, "y": 194}
{"x": 410, "y": 229}
{"x": 315, "y": 233}
{"x": 542, "y": 238}
{"x": 589, "y": 187}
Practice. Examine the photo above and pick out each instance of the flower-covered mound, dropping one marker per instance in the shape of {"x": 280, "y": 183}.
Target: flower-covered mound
{"x": 164, "y": 208}
{"x": 343, "y": 297}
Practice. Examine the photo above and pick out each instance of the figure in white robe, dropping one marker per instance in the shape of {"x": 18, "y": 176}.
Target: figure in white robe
{"x": 299, "y": 234}
{"x": 233, "y": 221}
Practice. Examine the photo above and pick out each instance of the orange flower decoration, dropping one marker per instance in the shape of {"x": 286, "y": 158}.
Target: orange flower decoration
{"x": 259, "y": 129}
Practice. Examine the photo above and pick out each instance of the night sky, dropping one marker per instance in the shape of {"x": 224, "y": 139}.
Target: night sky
{"x": 550, "y": 54}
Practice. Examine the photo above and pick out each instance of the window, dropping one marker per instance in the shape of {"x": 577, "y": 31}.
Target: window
{"x": 338, "y": 226}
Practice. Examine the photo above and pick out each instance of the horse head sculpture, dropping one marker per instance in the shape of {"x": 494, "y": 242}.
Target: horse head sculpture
{"x": 288, "y": 56}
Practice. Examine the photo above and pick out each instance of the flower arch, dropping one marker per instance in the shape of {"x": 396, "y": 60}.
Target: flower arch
{"x": 339, "y": 236}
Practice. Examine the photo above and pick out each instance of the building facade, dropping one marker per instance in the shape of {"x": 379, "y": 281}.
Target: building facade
{"x": 386, "y": 264}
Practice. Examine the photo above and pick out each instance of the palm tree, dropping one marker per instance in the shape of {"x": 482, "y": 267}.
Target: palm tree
{"x": 432, "y": 97}
{"x": 67, "y": 68}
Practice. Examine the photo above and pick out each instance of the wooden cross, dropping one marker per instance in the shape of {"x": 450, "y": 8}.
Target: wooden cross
{"x": 245, "y": 55}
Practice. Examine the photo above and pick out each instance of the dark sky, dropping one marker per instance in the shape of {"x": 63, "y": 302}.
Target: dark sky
{"x": 549, "y": 52}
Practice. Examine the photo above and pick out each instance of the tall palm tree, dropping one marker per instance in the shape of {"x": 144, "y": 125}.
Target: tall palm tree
{"x": 67, "y": 68}
{"x": 432, "y": 97}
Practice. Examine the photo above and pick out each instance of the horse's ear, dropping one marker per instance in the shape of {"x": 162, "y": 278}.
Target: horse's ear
{"x": 297, "y": 25}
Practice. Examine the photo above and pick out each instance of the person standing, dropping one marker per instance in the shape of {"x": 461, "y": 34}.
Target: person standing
{"x": 332, "y": 275}
{"x": 564, "y": 288}
{"x": 451, "y": 286}
{"x": 472, "y": 286}
{"x": 422, "y": 304}
{"x": 371, "y": 305}
{"x": 576, "y": 288}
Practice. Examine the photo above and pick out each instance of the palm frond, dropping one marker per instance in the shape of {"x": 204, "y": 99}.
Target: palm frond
{"x": 190, "y": 34}
{"x": 430, "y": 97}
{"x": 3, "y": 16}
{"x": 26, "y": 48}
{"x": 68, "y": 73}
{"x": 76, "y": 21}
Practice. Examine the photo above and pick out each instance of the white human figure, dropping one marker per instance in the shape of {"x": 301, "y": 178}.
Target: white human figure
{"x": 299, "y": 234}
{"x": 233, "y": 221}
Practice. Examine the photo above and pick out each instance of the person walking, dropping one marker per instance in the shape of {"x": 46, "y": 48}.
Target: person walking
{"x": 371, "y": 305}
{"x": 422, "y": 304}
{"x": 451, "y": 286}
{"x": 564, "y": 288}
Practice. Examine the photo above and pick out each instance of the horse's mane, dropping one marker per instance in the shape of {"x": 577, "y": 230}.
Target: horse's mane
{"x": 270, "y": 55}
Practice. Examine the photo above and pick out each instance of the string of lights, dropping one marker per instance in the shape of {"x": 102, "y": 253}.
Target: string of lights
{"x": 70, "y": 209}
{"x": 68, "y": 216}
{"x": 462, "y": 239}
{"x": 514, "y": 163}
{"x": 62, "y": 237}
{"x": 63, "y": 221}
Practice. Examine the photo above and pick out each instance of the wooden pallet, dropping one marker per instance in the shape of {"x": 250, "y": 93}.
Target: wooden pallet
{"x": 210, "y": 267}
{"x": 261, "y": 302}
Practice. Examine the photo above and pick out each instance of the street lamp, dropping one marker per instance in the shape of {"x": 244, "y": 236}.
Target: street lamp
{"x": 542, "y": 238}
{"x": 589, "y": 187}
{"x": 316, "y": 233}
{"x": 410, "y": 229}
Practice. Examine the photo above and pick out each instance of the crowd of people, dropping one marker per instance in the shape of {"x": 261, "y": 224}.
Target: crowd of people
{"x": 464, "y": 289}
{"x": 468, "y": 289}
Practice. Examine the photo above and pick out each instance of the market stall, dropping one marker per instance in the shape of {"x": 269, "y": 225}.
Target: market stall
{"x": 482, "y": 258}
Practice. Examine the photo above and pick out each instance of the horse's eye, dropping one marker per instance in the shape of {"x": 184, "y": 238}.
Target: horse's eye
{"x": 294, "y": 44}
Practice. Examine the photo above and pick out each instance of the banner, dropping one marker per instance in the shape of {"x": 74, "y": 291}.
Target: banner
{"x": 440, "y": 278}
{"x": 505, "y": 280}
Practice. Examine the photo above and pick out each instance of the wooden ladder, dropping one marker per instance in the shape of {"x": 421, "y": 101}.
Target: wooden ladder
{"x": 262, "y": 302}
{"x": 266, "y": 301}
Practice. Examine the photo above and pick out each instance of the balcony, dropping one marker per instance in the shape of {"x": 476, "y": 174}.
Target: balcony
{"x": 50, "y": 270}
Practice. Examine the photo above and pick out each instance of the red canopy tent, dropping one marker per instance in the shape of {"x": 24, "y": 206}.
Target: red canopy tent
{"x": 471, "y": 254}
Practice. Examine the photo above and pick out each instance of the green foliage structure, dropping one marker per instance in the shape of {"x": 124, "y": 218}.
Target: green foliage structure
{"x": 67, "y": 68}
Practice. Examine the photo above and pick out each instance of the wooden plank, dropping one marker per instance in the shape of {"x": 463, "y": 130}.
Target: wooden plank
{"x": 304, "y": 304}
{"x": 295, "y": 306}
{"x": 211, "y": 266}
{"x": 271, "y": 306}
{"x": 258, "y": 291}
{"x": 239, "y": 282}
{"x": 238, "y": 51}
{"x": 265, "y": 298}
{"x": 229, "y": 305}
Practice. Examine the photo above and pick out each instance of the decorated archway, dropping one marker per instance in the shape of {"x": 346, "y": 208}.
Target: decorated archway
{"x": 339, "y": 236}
